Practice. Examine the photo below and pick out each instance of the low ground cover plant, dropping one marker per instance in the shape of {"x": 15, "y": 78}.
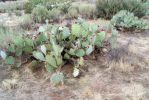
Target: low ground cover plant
{"x": 128, "y": 21}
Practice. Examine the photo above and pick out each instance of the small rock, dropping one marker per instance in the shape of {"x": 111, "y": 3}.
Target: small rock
{"x": 104, "y": 50}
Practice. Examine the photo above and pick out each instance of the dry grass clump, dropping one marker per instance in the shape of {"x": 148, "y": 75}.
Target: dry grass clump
{"x": 124, "y": 59}
{"x": 11, "y": 83}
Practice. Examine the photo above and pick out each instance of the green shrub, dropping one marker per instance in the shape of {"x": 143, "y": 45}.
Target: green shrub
{"x": 56, "y": 3}
{"x": 146, "y": 4}
{"x": 55, "y": 14}
{"x": 108, "y": 8}
{"x": 40, "y": 14}
{"x": 18, "y": 13}
{"x": 39, "y": 9}
{"x": 75, "y": 5}
{"x": 135, "y": 6}
{"x": 7, "y": 36}
{"x": 34, "y": 3}
{"x": 26, "y": 22}
{"x": 49, "y": 4}
{"x": 72, "y": 13}
{"x": 128, "y": 21}
{"x": 31, "y": 4}
{"x": 65, "y": 6}
{"x": 87, "y": 10}
{"x": 28, "y": 7}
{"x": 11, "y": 6}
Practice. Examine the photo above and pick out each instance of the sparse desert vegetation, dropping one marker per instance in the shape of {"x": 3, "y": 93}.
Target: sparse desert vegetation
{"x": 74, "y": 50}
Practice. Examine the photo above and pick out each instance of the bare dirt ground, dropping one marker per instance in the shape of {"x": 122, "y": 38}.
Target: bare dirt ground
{"x": 123, "y": 74}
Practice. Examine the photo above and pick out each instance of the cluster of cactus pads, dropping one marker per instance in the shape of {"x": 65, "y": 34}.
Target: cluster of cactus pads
{"x": 55, "y": 45}
{"x": 59, "y": 44}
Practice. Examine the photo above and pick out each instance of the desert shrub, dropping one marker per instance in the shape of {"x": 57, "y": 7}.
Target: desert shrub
{"x": 65, "y": 6}
{"x": 26, "y": 22}
{"x": 18, "y": 13}
{"x": 87, "y": 10}
{"x": 56, "y": 9}
{"x": 55, "y": 14}
{"x": 135, "y": 6}
{"x": 146, "y": 4}
{"x": 7, "y": 36}
{"x": 75, "y": 5}
{"x": 40, "y": 13}
{"x": 12, "y": 6}
{"x": 28, "y": 7}
{"x": 31, "y": 4}
{"x": 49, "y": 4}
{"x": 72, "y": 13}
{"x": 108, "y": 8}
{"x": 128, "y": 21}
{"x": 35, "y": 2}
